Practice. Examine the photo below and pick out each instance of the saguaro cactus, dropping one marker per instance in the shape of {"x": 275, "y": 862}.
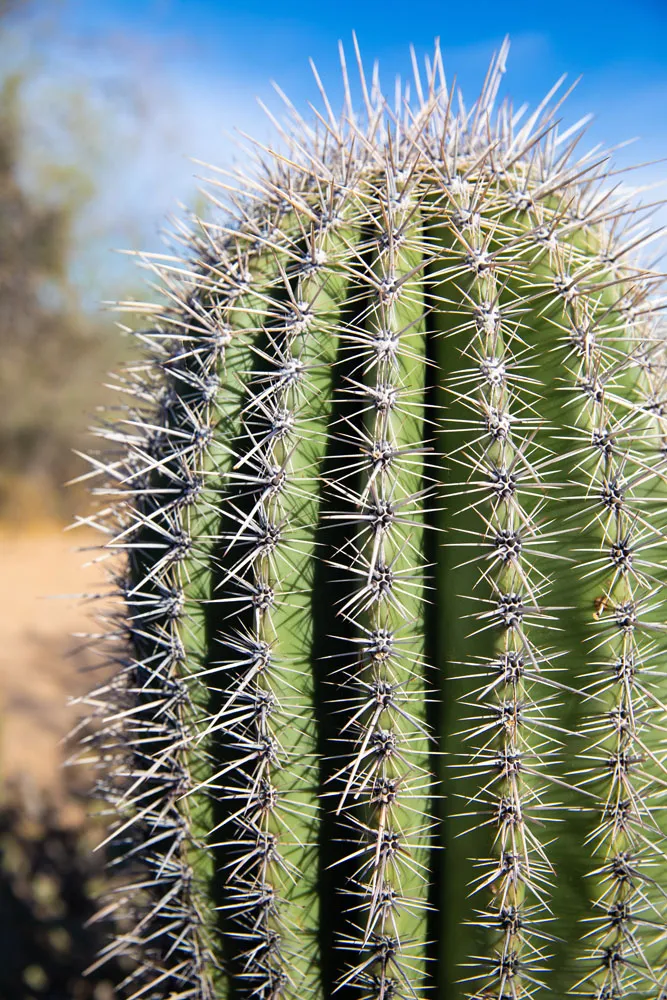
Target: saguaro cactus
{"x": 390, "y": 494}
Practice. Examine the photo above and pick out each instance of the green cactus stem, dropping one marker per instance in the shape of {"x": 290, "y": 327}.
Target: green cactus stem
{"x": 389, "y": 499}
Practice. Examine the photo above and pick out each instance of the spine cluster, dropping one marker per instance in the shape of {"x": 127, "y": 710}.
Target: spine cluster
{"x": 157, "y": 699}
{"x": 511, "y": 724}
{"x": 383, "y": 785}
{"x": 620, "y": 417}
{"x": 265, "y": 721}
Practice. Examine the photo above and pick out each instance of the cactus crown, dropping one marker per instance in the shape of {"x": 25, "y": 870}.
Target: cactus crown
{"x": 390, "y": 490}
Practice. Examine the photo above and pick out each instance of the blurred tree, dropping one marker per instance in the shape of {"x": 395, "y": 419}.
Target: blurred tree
{"x": 93, "y": 137}
{"x": 53, "y": 356}
{"x": 67, "y": 121}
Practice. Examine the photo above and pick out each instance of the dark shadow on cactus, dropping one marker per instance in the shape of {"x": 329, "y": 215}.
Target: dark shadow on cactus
{"x": 434, "y": 705}
{"x": 221, "y": 623}
{"x": 331, "y": 649}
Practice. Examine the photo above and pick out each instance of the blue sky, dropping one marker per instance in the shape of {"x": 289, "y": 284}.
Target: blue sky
{"x": 619, "y": 45}
{"x": 625, "y": 39}
{"x": 590, "y": 32}
{"x": 194, "y": 67}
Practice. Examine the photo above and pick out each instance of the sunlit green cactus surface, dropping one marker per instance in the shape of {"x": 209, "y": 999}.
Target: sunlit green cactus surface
{"x": 389, "y": 491}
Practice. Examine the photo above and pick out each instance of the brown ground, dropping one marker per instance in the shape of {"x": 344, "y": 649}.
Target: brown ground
{"x": 41, "y": 665}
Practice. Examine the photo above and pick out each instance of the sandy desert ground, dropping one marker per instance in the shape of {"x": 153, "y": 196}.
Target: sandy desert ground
{"x": 43, "y": 666}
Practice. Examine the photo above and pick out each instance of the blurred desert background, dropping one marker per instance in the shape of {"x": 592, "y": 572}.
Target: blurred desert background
{"x": 41, "y": 666}
{"x": 66, "y": 126}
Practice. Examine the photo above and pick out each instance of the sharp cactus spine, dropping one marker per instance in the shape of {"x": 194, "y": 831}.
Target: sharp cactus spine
{"x": 392, "y": 491}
